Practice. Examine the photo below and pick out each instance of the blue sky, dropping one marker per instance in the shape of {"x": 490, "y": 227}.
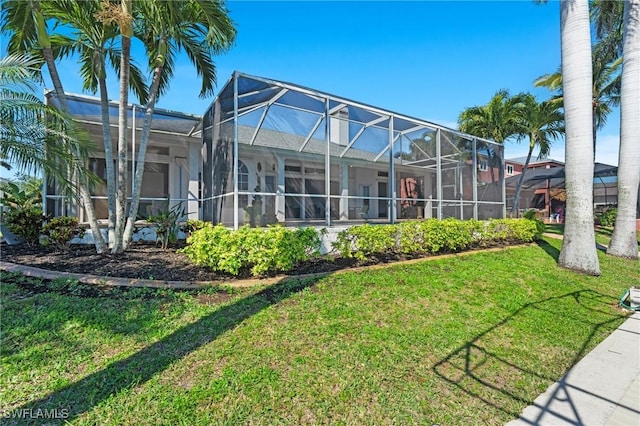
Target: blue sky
{"x": 426, "y": 59}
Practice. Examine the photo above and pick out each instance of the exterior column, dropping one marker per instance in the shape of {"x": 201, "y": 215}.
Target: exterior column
{"x": 438, "y": 175}
{"x": 344, "y": 191}
{"x": 193, "y": 209}
{"x": 280, "y": 205}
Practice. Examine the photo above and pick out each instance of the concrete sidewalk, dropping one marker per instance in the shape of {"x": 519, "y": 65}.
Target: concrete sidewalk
{"x": 602, "y": 389}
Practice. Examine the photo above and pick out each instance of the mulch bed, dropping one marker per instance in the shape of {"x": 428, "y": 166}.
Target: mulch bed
{"x": 147, "y": 261}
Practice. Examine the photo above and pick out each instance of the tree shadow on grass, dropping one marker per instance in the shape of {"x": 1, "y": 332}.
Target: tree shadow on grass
{"x": 83, "y": 395}
{"x": 507, "y": 380}
{"x": 549, "y": 249}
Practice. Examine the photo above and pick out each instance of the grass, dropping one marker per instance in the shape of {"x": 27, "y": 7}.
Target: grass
{"x": 462, "y": 340}
{"x": 603, "y": 233}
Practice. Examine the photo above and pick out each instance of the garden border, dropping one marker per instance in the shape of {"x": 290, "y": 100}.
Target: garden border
{"x": 31, "y": 271}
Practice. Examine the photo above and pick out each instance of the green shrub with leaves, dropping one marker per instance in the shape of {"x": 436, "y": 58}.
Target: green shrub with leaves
{"x": 193, "y": 225}
{"x": 431, "y": 236}
{"x": 531, "y": 215}
{"x": 259, "y": 250}
{"x": 365, "y": 240}
{"x": 608, "y": 217}
{"x": 511, "y": 230}
{"x": 166, "y": 224}
{"x": 26, "y": 222}
{"x": 59, "y": 231}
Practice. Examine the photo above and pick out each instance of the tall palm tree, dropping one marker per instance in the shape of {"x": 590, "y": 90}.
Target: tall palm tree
{"x": 35, "y": 136}
{"x": 200, "y": 28}
{"x": 96, "y": 46}
{"x": 541, "y": 123}
{"x": 605, "y": 89}
{"x": 578, "y": 249}
{"x": 27, "y": 24}
{"x": 623, "y": 240}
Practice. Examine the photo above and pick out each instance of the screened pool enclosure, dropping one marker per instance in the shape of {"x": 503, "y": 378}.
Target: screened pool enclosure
{"x": 275, "y": 152}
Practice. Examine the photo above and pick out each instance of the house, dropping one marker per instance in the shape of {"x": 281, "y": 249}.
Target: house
{"x": 543, "y": 186}
{"x": 267, "y": 151}
{"x": 303, "y": 156}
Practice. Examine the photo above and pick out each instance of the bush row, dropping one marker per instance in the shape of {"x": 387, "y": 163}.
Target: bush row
{"x": 277, "y": 249}
{"x": 259, "y": 250}
{"x": 431, "y": 236}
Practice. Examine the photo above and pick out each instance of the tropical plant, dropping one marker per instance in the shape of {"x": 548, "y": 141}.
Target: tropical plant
{"x": 541, "y": 123}
{"x": 201, "y": 29}
{"x": 623, "y": 241}
{"x": 578, "y": 249}
{"x": 498, "y": 120}
{"x": 166, "y": 224}
{"x": 27, "y": 24}
{"x": 607, "y": 19}
{"x": 605, "y": 89}
{"x": 95, "y": 45}
{"x": 60, "y": 230}
{"x": 37, "y": 137}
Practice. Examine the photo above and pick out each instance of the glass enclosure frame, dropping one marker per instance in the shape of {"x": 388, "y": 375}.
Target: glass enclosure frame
{"x": 311, "y": 158}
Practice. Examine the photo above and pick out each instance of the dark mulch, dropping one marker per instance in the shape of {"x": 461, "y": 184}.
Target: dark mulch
{"x": 147, "y": 261}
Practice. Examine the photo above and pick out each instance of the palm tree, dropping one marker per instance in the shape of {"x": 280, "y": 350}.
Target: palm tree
{"x": 578, "y": 249}
{"x": 201, "y": 29}
{"x": 623, "y": 240}
{"x": 541, "y": 123}
{"x": 26, "y": 22}
{"x": 605, "y": 89}
{"x": 497, "y": 121}
{"x": 95, "y": 45}
{"x": 37, "y": 137}
{"x": 607, "y": 19}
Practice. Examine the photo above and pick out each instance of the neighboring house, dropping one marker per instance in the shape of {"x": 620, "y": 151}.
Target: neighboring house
{"x": 543, "y": 188}
{"x": 301, "y": 156}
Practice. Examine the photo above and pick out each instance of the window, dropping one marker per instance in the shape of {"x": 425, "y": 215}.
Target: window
{"x": 509, "y": 169}
{"x": 483, "y": 165}
{"x": 243, "y": 183}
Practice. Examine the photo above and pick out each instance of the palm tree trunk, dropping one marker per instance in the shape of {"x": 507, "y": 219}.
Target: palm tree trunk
{"x": 123, "y": 144}
{"x": 47, "y": 53}
{"x": 595, "y": 130}
{"x": 623, "y": 240}
{"x": 142, "y": 151}
{"x": 578, "y": 247}
{"x": 516, "y": 198}
{"x": 108, "y": 154}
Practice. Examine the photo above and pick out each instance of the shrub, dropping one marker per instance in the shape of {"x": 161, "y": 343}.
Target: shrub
{"x": 166, "y": 225}
{"x": 193, "y": 225}
{"x": 26, "y": 222}
{"x": 260, "y": 250}
{"x": 608, "y": 217}
{"x": 431, "y": 236}
{"x": 59, "y": 231}
{"x": 531, "y": 215}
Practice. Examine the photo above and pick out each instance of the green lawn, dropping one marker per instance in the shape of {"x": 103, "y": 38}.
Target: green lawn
{"x": 461, "y": 340}
{"x": 603, "y": 233}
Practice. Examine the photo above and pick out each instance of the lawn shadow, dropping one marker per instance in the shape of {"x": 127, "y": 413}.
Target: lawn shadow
{"x": 472, "y": 367}
{"x": 81, "y": 396}
{"x": 549, "y": 249}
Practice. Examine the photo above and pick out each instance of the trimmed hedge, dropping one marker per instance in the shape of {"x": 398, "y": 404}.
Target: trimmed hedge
{"x": 277, "y": 249}
{"x": 432, "y": 236}
{"x": 260, "y": 250}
